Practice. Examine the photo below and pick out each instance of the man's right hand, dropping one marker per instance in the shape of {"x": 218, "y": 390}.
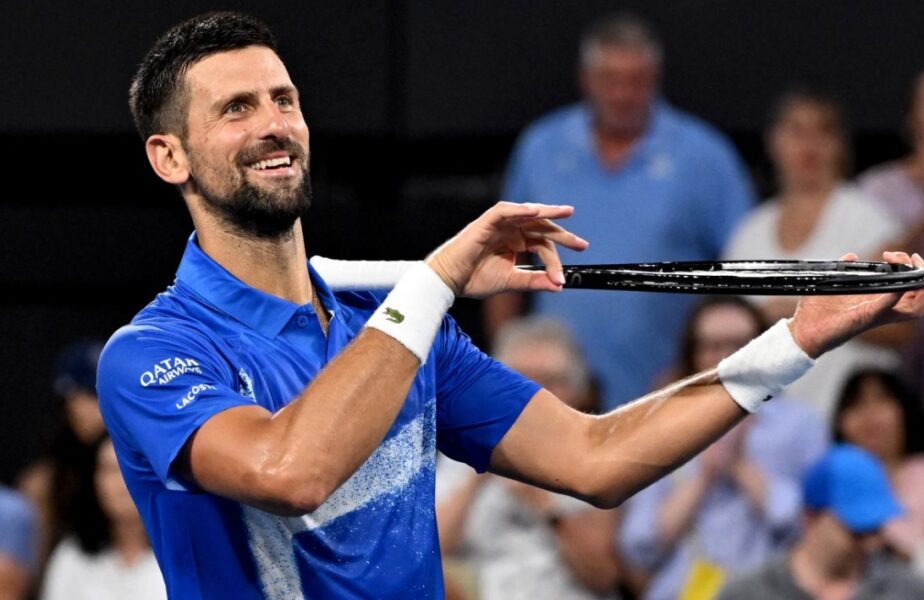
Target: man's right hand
{"x": 481, "y": 259}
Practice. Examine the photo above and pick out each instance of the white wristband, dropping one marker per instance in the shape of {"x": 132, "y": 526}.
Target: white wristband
{"x": 347, "y": 275}
{"x": 765, "y": 366}
{"x": 413, "y": 312}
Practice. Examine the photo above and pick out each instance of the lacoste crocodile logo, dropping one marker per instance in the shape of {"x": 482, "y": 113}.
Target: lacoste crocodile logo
{"x": 393, "y": 315}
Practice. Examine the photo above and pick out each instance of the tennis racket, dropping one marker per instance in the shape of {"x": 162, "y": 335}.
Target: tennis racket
{"x": 751, "y": 277}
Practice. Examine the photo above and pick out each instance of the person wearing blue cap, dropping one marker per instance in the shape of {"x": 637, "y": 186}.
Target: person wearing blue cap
{"x": 75, "y": 381}
{"x": 848, "y": 499}
{"x": 53, "y": 482}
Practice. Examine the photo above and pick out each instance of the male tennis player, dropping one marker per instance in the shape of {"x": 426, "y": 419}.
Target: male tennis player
{"x": 279, "y": 438}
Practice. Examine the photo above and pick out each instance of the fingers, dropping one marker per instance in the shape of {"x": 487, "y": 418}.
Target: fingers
{"x": 903, "y": 258}
{"x": 551, "y": 280}
{"x": 532, "y": 281}
{"x": 528, "y": 210}
{"x": 547, "y": 230}
{"x": 548, "y": 255}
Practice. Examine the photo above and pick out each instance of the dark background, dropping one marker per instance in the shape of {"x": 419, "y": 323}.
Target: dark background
{"x": 413, "y": 106}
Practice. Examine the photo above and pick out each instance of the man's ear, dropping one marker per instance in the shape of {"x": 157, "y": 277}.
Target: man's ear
{"x": 168, "y": 158}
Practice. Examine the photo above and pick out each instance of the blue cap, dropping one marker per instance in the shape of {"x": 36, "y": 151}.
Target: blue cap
{"x": 76, "y": 368}
{"x": 851, "y": 483}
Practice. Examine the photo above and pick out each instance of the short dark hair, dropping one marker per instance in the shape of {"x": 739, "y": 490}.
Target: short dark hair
{"x": 827, "y": 102}
{"x": 910, "y": 405}
{"x": 157, "y": 97}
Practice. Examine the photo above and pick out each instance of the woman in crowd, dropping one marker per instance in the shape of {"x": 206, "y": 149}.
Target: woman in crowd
{"x": 53, "y": 483}
{"x": 108, "y": 557}
{"x": 737, "y": 503}
{"x": 876, "y": 413}
{"x": 899, "y": 187}
{"x": 817, "y": 215}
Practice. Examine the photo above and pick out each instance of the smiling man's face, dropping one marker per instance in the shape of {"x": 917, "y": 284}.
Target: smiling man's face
{"x": 247, "y": 141}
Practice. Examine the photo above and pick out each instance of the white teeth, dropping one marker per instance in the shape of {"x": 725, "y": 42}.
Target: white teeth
{"x": 273, "y": 162}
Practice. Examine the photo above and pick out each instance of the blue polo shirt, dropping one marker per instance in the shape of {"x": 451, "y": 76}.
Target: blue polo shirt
{"x": 210, "y": 343}
{"x": 677, "y": 196}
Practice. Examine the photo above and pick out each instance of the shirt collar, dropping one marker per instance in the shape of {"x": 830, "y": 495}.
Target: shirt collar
{"x": 258, "y": 310}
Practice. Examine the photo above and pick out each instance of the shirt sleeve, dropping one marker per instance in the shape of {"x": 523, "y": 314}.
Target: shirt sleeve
{"x": 156, "y": 388}
{"x": 477, "y": 398}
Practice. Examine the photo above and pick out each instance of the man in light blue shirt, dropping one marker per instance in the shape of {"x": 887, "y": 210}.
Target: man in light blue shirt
{"x": 649, "y": 183}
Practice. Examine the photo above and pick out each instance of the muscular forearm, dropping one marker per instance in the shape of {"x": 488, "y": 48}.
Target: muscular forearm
{"x": 294, "y": 459}
{"x": 637, "y": 444}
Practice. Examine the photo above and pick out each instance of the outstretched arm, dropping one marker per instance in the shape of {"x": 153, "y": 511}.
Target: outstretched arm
{"x": 605, "y": 459}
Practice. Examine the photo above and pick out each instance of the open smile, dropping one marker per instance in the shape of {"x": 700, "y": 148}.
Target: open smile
{"x": 275, "y": 166}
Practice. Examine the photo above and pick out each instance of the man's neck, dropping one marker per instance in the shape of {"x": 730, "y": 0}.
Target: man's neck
{"x": 805, "y": 194}
{"x": 613, "y": 144}
{"x": 277, "y": 267}
{"x": 613, "y": 147}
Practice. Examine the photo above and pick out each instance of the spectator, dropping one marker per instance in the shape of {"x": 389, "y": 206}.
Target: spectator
{"x": 816, "y": 215}
{"x": 108, "y": 557}
{"x": 848, "y": 501}
{"x": 649, "y": 183}
{"x": 729, "y": 509}
{"x": 53, "y": 482}
{"x": 877, "y": 414}
{"x": 17, "y": 544}
{"x": 899, "y": 185}
{"x": 522, "y": 541}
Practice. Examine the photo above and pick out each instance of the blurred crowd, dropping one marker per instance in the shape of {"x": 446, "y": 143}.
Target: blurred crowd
{"x": 819, "y": 495}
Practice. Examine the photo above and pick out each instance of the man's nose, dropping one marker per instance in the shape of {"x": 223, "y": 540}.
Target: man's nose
{"x": 274, "y": 123}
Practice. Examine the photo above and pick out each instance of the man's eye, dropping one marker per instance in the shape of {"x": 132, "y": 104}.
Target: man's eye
{"x": 234, "y": 107}
{"x": 284, "y": 101}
